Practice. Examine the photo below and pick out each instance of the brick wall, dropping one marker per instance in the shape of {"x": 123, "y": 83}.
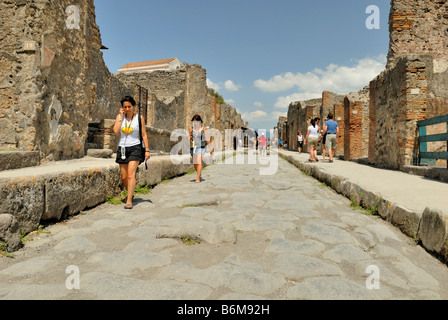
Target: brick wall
{"x": 400, "y": 99}
{"x": 353, "y": 138}
{"x": 418, "y": 27}
{"x": 339, "y": 117}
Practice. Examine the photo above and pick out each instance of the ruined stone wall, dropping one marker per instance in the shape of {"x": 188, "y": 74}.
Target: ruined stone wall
{"x": 400, "y": 101}
{"x": 418, "y": 27}
{"x": 57, "y": 81}
{"x": 177, "y": 96}
{"x": 197, "y": 98}
{"x": 282, "y": 128}
{"x": 299, "y": 117}
{"x": 293, "y": 120}
{"x": 356, "y": 125}
{"x": 413, "y": 86}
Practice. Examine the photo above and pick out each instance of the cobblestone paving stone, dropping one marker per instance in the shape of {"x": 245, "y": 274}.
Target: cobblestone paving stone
{"x": 284, "y": 236}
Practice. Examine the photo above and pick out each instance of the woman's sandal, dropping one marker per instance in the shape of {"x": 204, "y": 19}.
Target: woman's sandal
{"x": 128, "y": 206}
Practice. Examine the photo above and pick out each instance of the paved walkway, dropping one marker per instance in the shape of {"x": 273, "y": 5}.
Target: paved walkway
{"x": 284, "y": 236}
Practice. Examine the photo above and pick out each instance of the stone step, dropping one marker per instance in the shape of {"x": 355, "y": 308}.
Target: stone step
{"x": 10, "y": 160}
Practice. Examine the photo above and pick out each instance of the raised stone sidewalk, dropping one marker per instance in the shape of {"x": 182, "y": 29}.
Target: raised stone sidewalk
{"x": 418, "y": 206}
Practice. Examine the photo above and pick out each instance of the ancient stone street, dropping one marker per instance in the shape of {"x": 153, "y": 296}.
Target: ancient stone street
{"x": 237, "y": 235}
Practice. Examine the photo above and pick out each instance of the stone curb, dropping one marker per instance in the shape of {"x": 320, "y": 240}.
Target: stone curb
{"x": 430, "y": 228}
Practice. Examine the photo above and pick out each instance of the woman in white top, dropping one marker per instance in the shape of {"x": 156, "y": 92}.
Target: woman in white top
{"x": 130, "y": 152}
{"x": 312, "y": 139}
{"x": 300, "y": 141}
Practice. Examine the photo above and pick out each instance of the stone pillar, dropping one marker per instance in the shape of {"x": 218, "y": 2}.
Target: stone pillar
{"x": 339, "y": 117}
{"x": 372, "y": 124}
{"x": 353, "y": 132}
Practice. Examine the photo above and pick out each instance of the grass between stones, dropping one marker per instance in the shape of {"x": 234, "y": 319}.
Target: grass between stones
{"x": 118, "y": 200}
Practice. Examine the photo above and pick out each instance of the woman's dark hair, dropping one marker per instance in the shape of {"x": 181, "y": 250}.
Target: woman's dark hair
{"x": 313, "y": 123}
{"x": 197, "y": 118}
{"x": 128, "y": 99}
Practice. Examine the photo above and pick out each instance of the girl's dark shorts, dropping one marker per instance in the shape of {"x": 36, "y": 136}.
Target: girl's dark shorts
{"x": 134, "y": 153}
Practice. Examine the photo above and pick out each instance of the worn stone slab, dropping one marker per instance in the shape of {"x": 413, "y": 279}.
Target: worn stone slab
{"x": 75, "y": 244}
{"x": 28, "y": 268}
{"x": 150, "y": 243}
{"x": 236, "y": 278}
{"x": 326, "y": 234}
{"x": 345, "y": 252}
{"x": 330, "y": 288}
{"x": 128, "y": 262}
{"x": 113, "y": 287}
{"x": 34, "y": 291}
{"x": 298, "y": 267}
{"x": 110, "y": 224}
{"x": 308, "y": 247}
{"x": 264, "y": 225}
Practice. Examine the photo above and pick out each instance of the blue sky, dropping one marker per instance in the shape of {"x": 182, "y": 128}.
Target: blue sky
{"x": 259, "y": 54}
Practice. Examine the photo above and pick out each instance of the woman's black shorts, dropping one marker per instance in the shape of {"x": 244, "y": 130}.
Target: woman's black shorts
{"x": 134, "y": 153}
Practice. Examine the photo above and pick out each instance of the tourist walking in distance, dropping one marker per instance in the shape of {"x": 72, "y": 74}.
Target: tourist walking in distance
{"x": 311, "y": 140}
{"x": 319, "y": 138}
{"x": 198, "y": 142}
{"x": 331, "y": 128}
{"x": 324, "y": 141}
{"x": 300, "y": 141}
{"x": 262, "y": 142}
{"x": 133, "y": 147}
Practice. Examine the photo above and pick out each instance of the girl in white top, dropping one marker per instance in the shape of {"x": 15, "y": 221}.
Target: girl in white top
{"x": 130, "y": 130}
{"x": 129, "y": 154}
{"x": 312, "y": 137}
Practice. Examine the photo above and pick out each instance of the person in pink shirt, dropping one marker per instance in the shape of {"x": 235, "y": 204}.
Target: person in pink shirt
{"x": 262, "y": 141}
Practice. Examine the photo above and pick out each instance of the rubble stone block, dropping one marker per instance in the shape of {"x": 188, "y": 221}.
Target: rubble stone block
{"x": 100, "y": 153}
{"x": 18, "y": 159}
{"x": 24, "y": 199}
{"x": 433, "y": 231}
{"x": 406, "y": 220}
{"x": 67, "y": 194}
{"x": 10, "y": 235}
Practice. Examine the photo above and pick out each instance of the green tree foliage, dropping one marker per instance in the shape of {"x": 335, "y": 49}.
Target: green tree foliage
{"x": 219, "y": 98}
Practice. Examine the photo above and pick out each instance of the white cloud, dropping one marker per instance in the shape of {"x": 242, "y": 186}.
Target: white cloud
{"x": 231, "y": 86}
{"x": 284, "y": 101}
{"x": 338, "y": 79}
{"x": 230, "y": 101}
{"x": 255, "y": 115}
{"x": 276, "y": 114}
{"x": 258, "y": 104}
{"x": 213, "y": 85}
